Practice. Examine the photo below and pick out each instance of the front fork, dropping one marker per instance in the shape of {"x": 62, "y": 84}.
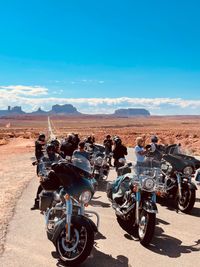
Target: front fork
{"x": 137, "y": 213}
{"x": 68, "y": 218}
{"x": 69, "y": 209}
{"x": 138, "y": 200}
{"x": 179, "y": 185}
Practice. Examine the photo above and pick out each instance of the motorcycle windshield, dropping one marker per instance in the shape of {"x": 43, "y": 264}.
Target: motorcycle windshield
{"x": 99, "y": 148}
{"x": 82, "y": 163}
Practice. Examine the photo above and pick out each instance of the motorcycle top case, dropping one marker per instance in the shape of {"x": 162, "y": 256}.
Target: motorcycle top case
{"x": 46, "y": 199}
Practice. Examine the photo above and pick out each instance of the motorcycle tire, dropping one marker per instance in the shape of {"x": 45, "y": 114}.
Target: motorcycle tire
{"x": 97, "y": 176}
{"x": 82, "y": 240}
{"x": 187, "y": 205}
{"x": 146, "y": 231}
{"x": 127, "y": 225}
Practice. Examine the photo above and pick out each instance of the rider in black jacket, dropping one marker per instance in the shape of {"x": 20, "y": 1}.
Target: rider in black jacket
{"x": 119, "y": 151}
{"x": 108, "y": 143}
{"x": 68, "y": 146}
{"x": 39, "y": 146}
{"x": 43, "y": 166}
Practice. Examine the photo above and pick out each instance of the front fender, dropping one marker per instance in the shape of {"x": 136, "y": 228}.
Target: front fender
{"x": 58, "y": 228}
{"x": 92, "y": 224}
{"x": 61, "y": 225}
{"x": 150, "y": 206}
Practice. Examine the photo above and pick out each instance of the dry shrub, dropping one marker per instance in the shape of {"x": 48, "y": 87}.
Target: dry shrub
{"x": 3, "y": 142}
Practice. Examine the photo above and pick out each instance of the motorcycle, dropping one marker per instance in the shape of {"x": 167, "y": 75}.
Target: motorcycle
{"x": 68, "y": 223}
{"x": 99, "y": 161}
{"x": 134, "y": 200}
{"x": 177, "y": 182}
{"x": 175, "y": 150}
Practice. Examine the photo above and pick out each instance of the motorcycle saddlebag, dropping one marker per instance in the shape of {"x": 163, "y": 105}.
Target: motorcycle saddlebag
{"x": 46, "y": 199}
{"x": 51, "y": 182}
{"x": 123, "y": 170}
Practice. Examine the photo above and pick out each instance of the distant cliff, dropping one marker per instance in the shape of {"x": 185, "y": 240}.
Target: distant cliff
{"x": 129, "y": 112}
{"x": 56, "y": 109}
{"x": 64, "y": 109}
{"x": 12, "y": 111}
{"x": 70, "y": 110}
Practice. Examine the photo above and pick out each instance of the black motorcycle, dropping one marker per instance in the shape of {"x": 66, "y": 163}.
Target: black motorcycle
{"x": 68, "y": 224}
{"x": 175, "y": 150}
{"x": 177, "y": 182}
{"x": 134, "y": 201}
{"x": 99, "y": 162}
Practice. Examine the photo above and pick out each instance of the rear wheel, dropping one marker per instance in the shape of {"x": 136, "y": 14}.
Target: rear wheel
{"x": 76, "y": 250}
{"x": 186, "y": 202}
{"x": 146, "y": 227}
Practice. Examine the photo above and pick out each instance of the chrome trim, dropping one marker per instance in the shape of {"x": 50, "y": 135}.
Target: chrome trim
{"x": 96, "y": 214}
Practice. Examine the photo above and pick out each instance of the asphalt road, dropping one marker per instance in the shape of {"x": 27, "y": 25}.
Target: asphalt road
{"x": 176, "y": 241}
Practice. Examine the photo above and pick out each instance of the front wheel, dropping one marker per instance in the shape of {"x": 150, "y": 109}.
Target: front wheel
{"x": 127, "y": 225}
{"x": 146, "y": 227}
{"x": 186, "y": 203}
{"x": 75, "y": 251}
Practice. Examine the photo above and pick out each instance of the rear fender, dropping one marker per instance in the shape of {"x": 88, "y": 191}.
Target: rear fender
{"x": 150, "y": 206}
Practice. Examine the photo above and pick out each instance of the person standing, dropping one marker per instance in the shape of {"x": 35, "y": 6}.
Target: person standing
{"x": 43, "y": 166}
{"x": 119, "y": 152}
{"x": 67, "y": 147}
{"x": 140, "y": 151}
{"x": 108, "y": 143}
{"x": 39, "y": 146}
{"x": 39, "y": 153}
{"x": 81, "y": 151}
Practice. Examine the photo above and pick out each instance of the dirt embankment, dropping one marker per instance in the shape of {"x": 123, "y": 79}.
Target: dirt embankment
{"x": 15, "y": 171}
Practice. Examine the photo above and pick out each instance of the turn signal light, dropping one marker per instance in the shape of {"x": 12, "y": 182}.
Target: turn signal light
{"x": 135, "y": 188}
{"x": 67, "y": 197}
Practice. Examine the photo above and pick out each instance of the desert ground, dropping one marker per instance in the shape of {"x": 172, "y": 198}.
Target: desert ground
{"x": 17, "y": 137}
{"x": 180, "y": 129}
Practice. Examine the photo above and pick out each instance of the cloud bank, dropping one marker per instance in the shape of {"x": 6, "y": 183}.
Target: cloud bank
{"x": 33, "y": 97}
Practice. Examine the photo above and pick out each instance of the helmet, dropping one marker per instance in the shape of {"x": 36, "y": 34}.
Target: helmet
{"x": 50, "y": 147}
{"x": 41, "y": 136}
{"x": 55, "y": 142}
{"x": 117, "y": 140}
{"x": 70, "y": 137}
{"x": 154, "y": 139}
{"x": 108, "y": 136}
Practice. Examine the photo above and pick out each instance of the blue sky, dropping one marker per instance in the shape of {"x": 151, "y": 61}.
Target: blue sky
{"x": 110, "y": 53}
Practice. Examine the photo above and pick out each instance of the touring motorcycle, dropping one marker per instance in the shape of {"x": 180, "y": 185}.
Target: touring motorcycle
{"x": 177, "y": 182}
{"x": 134, "y": 201}
{"x": 99, "y": 162}
{"x": 68, "y": 223}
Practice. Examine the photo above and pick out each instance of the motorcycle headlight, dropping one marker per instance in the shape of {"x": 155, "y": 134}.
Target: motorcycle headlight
{"x": 85, "y": 197}
{"x": 188, "y": 170}
{"x": 148, "y": 184}
{"x": 98, "y": 161}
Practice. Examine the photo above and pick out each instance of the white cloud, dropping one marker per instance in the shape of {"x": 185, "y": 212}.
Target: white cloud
{"x": 86, "y": 81}
{"x": 17, "y": 90}
{"x": 32, "y": 97}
